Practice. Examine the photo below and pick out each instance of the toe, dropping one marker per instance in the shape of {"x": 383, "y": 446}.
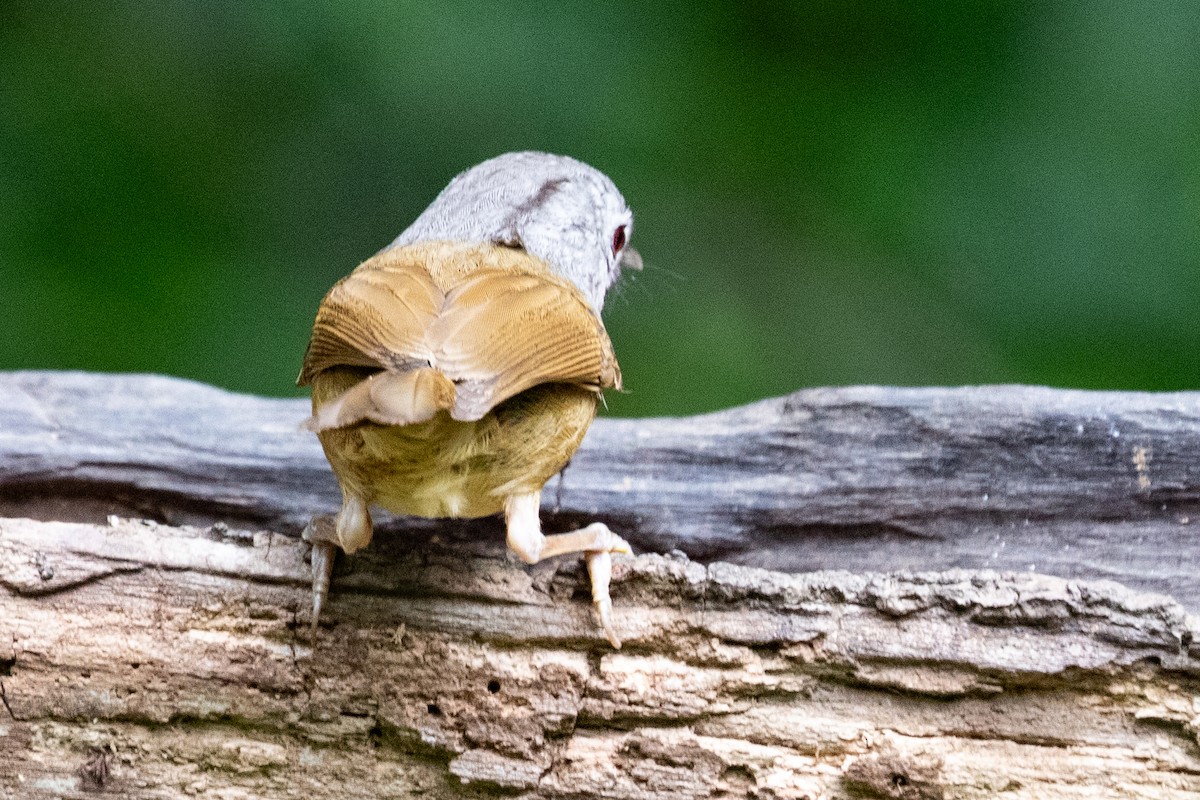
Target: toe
{"x": 600, "y": 570}
{"x": 322, "y": 569}
{"x": 607, "y": 541}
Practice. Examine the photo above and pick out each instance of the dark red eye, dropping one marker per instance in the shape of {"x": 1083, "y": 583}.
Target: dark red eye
{"x": 618, "y": 239}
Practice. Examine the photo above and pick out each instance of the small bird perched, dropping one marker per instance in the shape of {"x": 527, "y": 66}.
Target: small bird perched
{"x": 455, "y": 372}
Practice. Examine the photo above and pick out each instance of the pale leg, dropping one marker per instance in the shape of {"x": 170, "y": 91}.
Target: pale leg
{"x": 525, "y": 538}
{"x": 349, "y": 530}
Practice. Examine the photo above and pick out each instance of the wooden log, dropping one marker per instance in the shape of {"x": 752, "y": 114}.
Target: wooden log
{"x": 150, "y": 661}
{"x": 1069, "y": 483}
{"x": 146, "y": 659}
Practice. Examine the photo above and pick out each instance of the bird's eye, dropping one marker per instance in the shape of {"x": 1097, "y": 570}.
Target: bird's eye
{"x": 618, "y": 239}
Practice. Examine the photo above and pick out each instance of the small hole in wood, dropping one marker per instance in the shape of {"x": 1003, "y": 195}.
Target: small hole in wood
{"x": 6, "y": 666}
{"x": 899, "y": 780}
{"x": 433, "y": 709}
{"x": 493, "y": 686}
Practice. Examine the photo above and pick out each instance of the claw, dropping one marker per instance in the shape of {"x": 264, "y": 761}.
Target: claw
{"x": 600, "y": 569}
{"x": 604, "y": 611}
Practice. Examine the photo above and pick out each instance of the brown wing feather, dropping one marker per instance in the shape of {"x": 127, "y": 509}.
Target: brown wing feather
{"x": 492, "y": 319}
{"x": 502, "y": 333}
{"x": 376, "y": 316}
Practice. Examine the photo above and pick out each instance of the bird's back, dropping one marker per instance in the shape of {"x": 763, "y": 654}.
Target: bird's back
{"x": 446, "y": 377}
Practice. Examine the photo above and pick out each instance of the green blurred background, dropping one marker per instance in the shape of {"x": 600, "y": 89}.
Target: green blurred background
{"x": 826, "y": 193}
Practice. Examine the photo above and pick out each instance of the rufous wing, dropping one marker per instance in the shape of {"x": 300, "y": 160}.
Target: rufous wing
{"x": 492, "y": 320}
{"x": 502, "y": 333}
{"x": 376, "y": 316}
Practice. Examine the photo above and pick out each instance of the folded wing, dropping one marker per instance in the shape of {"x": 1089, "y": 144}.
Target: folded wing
{"x": 488, "y": 321}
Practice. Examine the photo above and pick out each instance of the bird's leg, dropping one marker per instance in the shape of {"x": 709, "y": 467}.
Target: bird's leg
{"x": 525, "y": 538}
{"x": 349, "y": 530}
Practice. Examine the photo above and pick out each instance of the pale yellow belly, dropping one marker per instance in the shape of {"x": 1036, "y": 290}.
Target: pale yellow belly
{"x": 446, "y": 468}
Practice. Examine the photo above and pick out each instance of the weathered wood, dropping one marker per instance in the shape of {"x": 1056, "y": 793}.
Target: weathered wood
{"x": 141, "y": 660}
{"x": 1070, "y": 483}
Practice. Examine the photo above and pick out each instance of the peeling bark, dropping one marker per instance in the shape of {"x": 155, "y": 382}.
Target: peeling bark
{"x": 175, "y": 662}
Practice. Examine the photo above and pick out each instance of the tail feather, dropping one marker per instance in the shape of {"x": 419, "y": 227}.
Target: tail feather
{"x": 389, "y": 398}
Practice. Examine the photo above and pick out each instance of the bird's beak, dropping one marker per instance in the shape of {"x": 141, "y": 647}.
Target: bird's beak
{"x": 631, "y": 259}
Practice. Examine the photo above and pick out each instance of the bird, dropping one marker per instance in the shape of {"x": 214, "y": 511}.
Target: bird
{"x": 457, "y": 370}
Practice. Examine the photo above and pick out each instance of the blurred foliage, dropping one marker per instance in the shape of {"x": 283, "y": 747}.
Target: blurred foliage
{"x": 861, "y": 192}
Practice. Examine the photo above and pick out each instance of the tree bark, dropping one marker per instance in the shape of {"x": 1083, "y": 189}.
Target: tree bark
{"x": 146, "y": 659}
{"x": 1070, "y": 483}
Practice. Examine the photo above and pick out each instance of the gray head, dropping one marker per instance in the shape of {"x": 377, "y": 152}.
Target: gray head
{"x": 558, "y": 209}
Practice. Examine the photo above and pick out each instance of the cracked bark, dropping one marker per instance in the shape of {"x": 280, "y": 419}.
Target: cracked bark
{"x": 4, "y": 702}
{"x": 145, "y": 659}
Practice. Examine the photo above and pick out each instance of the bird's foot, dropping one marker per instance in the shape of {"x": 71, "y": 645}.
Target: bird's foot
{"x": 596, "y": 542}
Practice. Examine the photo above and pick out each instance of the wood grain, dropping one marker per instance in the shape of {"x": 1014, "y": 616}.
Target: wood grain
{"x": 151, "y": 661}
